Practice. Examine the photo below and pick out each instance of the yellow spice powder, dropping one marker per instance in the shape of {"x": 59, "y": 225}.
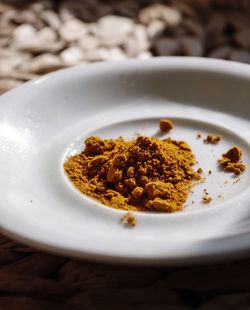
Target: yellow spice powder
{"x": 231, "y": 161}
{"x": 144, "y": 174}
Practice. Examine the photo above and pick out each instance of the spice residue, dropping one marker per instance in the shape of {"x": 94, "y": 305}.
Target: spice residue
{"x": 206, "y": 198}
{"x": 212, "y": 139}
{"x": 166, "y": 125}
{"x": 199, "y": 170}
{"x": 129, "y": 219}
{"x": 231, "y": 161}
{"x": 145, "y": 174}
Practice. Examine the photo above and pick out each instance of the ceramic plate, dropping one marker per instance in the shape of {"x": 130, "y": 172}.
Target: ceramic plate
{"x": 46, "y": 120}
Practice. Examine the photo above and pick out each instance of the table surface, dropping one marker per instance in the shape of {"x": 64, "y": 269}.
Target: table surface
{"x": 30, "y": 279}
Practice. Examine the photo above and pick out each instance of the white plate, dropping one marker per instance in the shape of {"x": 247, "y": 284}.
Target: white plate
{"x": 45, "y": 120}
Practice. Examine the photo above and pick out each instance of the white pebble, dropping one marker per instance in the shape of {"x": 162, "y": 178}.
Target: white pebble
{"x": 155, "y": 27}
{"x": 73, "y": 29}
{"x": 137, "y": 42}
{"x": 45, "y": 40}
{"x": 145, "y": 55}
{"x": 9, "y": 60}
{"x": 24, "y": 33}
{"x": 101, "y": 54}
{"x": 51, "y": 19}
{"x": 171, "y": 16}
{"x": 42, "y": 64}
{"x": 113, "y": 30}
{"x": 46, "y": 34}
{"x": 72, "y": 56}
{"x": 88, "y": 42}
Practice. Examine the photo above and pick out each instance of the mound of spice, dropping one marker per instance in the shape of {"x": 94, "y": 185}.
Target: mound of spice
{"x": 145, "y": 174}
{"x": 231, "y": 161}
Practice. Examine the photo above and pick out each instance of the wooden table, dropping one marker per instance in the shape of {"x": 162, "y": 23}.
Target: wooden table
{"x": 32, "y": 280}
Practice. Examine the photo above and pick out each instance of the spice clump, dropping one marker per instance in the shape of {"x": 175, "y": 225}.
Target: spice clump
{"x": 207, "y": 199}
{"x": 231, "y": 161}
{"x": 212, "y": 139}
{"x": 166, "y": 125}
{"x": 129, "y": 219}
{"x": 144, "y": 174}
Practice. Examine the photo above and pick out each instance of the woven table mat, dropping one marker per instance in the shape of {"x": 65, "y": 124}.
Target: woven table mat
{"x": 40, "y": 37}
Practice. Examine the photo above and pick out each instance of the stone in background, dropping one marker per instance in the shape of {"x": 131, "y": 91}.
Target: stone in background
{"x": 44, "y": 36}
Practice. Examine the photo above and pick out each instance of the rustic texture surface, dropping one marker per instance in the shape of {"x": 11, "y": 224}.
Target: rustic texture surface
{"x": 41, "y": 37}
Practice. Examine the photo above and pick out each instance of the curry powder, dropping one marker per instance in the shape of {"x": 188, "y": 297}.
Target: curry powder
{"x": 144, "y": 174}
{"x": 231, "y": 161}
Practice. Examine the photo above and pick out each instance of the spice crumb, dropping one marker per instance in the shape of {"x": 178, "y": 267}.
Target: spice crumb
{"x": 212, "y": 139}
{"x": 231, "y": 161}
{"x": 206, "y": 199}
{"x": 129, "y": 219}
{"x": 199, "y": 170}
{"x": 198, "y": 136}
{"x": 236, "y": 181}
{"x": 209, "y": 172}
{"x": 166, "y": 125}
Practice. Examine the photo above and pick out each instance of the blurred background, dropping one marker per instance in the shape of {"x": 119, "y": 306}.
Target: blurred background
{"x": 37, "y": 37}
